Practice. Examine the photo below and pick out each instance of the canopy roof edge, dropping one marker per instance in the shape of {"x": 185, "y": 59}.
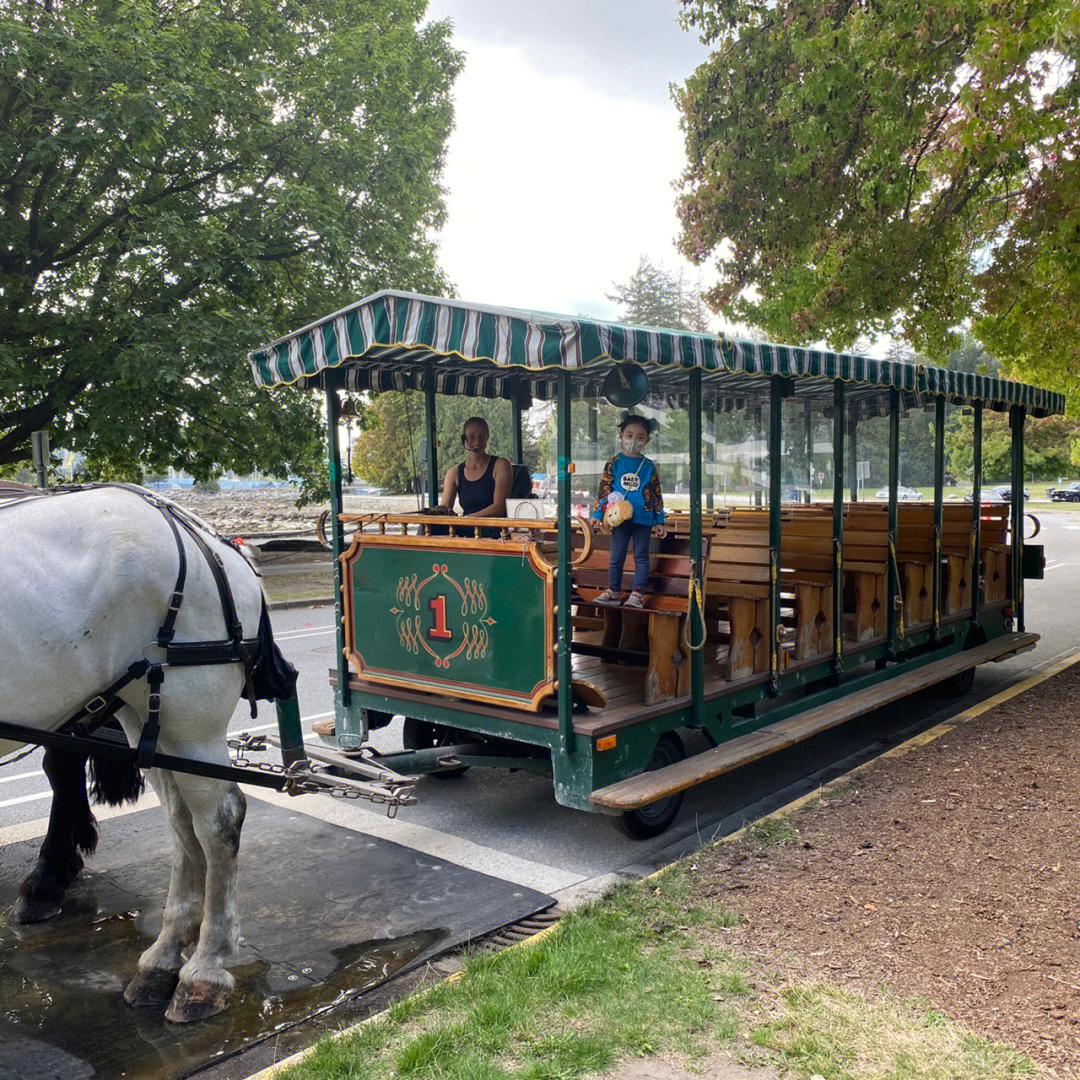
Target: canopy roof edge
{"x": 389, "y": 339}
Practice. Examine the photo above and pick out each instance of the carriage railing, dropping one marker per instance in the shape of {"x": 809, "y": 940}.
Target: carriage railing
{"x": 543, "y": 531}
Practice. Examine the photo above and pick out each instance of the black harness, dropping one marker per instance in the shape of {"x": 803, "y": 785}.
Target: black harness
{"x": 235, "y": 649}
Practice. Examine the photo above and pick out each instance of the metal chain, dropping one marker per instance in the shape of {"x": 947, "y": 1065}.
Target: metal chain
{"x": 296, "y": 782}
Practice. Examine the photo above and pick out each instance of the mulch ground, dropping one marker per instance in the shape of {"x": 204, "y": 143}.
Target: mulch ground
{"x": 951, "y": 872}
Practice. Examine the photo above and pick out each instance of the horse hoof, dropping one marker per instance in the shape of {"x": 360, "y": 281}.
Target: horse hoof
{"x": 24, "y": 912}
{"x": 196, "y": 1001}
{"x": 154, "y": 986}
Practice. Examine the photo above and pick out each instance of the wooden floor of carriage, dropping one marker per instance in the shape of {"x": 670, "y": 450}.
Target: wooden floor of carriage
{"x": 327, "y": 913}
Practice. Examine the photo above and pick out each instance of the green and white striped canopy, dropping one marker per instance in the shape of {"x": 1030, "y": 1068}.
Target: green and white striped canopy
{"x": 394, "y": 340}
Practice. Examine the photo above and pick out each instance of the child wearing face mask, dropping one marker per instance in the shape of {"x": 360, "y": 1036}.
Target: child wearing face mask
{"x": 630, "y": 477}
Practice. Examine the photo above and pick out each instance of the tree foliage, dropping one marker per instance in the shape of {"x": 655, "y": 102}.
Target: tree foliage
{"x": 181, "y": 181}
{"x": 863, "y": 167}
{"x": 388, "y": 450}
{"x": 657, "y": 297}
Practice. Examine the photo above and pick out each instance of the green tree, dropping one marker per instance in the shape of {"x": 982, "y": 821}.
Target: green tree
{"x": 388, "y": 450}
{"x": 859, "y": 168}
{"x": 657, "y": 297}
{"x": 180, "y": 182}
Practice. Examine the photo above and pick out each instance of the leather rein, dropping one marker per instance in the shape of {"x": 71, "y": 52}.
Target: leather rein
{"x": 235, "y": 649}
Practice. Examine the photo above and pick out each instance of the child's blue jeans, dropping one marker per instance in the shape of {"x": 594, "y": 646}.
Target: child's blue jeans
{"x": 620, "y": 542}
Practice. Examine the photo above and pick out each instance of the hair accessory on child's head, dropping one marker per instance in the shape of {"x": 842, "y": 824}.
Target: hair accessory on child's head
{"x": 636, "y": 418}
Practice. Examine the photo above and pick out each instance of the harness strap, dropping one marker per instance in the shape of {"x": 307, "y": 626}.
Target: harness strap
{"x": 233, "y": 627}
{"x": 168, "y": 627}
{"x": 149, "y": 737}
{"x": 100, "y": 708}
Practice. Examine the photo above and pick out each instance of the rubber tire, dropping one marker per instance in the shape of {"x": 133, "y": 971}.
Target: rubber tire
{"x": 652, "y": 820}
{"x": 958, "y": 685}
{"x": 423, "y": 735}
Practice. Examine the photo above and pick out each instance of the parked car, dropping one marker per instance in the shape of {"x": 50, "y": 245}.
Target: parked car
{"x": 1068, "y": 493}
{"x": 902, "y": 492}
{"x": 1000, "y": 493}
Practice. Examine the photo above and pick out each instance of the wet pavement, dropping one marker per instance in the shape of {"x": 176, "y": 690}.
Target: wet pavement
{"x": 327, "y": 913}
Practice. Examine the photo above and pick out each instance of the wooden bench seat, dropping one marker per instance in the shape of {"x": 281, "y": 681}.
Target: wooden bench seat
{"x": 996, "y": 553}
{"x": 656, "y": 631}
{"x": 915, "y": 561}
{"x": 957, "y": 534}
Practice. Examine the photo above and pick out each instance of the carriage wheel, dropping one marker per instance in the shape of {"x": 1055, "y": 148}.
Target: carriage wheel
{"x": 653, "y": 819}
{"x": 959, "y": 685}
{"x": 424, "y": 735}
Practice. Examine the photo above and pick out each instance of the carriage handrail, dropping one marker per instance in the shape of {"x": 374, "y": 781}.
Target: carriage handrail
{"x": 468, "y": 527}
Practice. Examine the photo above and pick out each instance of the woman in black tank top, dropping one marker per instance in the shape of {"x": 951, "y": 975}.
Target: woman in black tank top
{"x": 475, "y": 495}
{"x": 485, "y": 494}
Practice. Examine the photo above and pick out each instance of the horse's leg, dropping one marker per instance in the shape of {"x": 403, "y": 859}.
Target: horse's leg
{"x": 159, "y": 966}
{"x": 217, "y": 814}
{"x": 71, "y": 827}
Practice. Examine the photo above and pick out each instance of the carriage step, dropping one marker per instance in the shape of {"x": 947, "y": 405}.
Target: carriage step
{"x": 648, "y": 787}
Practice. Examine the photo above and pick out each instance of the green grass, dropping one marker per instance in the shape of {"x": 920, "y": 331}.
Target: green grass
{"x": 772, "y": 831}
{"x": 641, "y": 973}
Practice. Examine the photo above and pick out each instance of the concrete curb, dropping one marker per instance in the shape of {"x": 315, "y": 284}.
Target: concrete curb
{"x": 286, "y": 605}
{"x": 924, "y": 737}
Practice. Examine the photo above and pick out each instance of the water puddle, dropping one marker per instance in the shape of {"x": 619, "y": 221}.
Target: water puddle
{"x": 62, "y": 1011}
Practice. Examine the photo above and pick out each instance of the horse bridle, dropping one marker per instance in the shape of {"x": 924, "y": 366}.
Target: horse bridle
{"x": 236, "y": 649}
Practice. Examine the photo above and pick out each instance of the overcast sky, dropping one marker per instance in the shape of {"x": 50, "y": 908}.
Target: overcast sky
{"x": 567, "y": 145}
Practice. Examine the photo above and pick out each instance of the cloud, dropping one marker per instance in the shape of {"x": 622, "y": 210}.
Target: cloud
{"x": 556, "y": 188}
{"x": 630, "y": 48}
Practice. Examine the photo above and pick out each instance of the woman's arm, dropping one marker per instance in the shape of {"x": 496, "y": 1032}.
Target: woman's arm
{"x": 503, "y": 478}
{"x": 449, "y": 488}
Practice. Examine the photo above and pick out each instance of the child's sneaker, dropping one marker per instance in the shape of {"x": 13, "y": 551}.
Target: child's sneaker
{"x": 608, "y": 596}
{"x": 634, "y": 600}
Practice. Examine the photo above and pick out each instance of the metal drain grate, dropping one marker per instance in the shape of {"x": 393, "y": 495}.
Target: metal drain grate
{"x": 520, "y": 931}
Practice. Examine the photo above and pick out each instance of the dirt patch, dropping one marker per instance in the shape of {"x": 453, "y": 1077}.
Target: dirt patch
{"x": 717, "y": 1066}
{"x": 952, "y": 872}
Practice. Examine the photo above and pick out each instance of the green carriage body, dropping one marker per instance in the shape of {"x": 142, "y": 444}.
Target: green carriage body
{"x": 476, "y": 637}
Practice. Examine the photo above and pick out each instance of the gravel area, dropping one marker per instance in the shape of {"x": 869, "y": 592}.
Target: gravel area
{"x": 951, "y": 872}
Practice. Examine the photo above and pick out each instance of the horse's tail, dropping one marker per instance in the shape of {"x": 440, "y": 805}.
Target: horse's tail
{"x": 113, "y": 781}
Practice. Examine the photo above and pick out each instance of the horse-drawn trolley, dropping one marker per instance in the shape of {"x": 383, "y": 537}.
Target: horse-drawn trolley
{"x": 780, "y": 602}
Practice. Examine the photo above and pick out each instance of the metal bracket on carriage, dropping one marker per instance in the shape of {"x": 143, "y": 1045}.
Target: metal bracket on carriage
{"x": 379, "y": 785}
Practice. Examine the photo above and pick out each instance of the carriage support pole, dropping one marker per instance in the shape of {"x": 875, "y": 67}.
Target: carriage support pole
{"x": 939, "y": 494}
{"x": 697, "y": 658}
{"x": 517, "y": 422}
{"x": 290, "y": 730}
{"x": 431, "y": 432}
{"x": 976, "y": 512}
{"x": 562, "y": 584}
{"x": 896, "y": 590}
{"x": 838, "y": 525}
{"x": 776, "y": 417}
{"x": 1016, "y": 420}
{"x": 337, "y": 542}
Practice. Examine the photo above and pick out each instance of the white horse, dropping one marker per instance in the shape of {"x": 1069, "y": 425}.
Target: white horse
{"x": 85, "y": 582}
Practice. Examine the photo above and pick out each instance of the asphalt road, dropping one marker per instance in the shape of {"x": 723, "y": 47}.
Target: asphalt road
{"x": 508, "y": 824}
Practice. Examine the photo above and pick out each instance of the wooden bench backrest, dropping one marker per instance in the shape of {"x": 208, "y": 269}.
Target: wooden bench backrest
{"x": 669, "y": 577}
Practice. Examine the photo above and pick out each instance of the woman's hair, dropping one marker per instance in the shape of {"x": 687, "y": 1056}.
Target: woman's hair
{"x": 635, "y": 418}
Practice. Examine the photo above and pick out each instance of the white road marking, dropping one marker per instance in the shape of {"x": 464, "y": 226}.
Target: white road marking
{"x": 20, "y": 776}
{"x": 306, "y": 631}
{"x": 26, "y": 798}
